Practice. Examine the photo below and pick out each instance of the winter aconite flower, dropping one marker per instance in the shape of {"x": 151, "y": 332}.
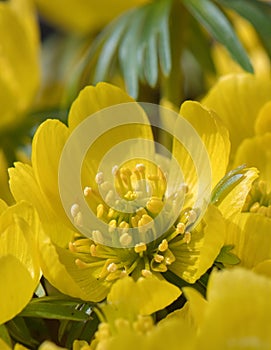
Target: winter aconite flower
{"x": 19, "y": 260}
{"x": 86, "y": 267}
{"x": 244, "y": 102}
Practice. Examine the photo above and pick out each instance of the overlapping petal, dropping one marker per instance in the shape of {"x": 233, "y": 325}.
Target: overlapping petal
{"x": 237, "y": 99}
{"x": 20, "y": 269}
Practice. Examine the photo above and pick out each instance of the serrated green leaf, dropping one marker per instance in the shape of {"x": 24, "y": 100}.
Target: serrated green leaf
{"x": 60, "y": 309}
{"x": 128, "y": 51}
{"x": 217, "y": 24}
{"x": 226, "y": 257}
{"x": 257, "y": 13}
{"x": 110, "y": 47}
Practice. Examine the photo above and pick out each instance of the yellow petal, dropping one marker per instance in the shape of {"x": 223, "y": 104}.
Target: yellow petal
{"x": 4, "y": 345}
{"x": 255, "y": 151}
{"x": 83, "y": 16}
{"x": 19, "y": 227}
{"x": 235, "y": 199}
{"x": 214, "y": 137}
{"x": 263, "y": 268}
{"x": 250, "y": 235}
{"x": 263, "y": 121}
{"x": 238, "y": 314}
{"x": 139, "y": 298}
{"x": 237, "y": 99}
{"x": 47, "y": 147}
{"x": 4, "y": 188}
{"x": 195, "y": 258}
{"x": 197, "y": 305}
{"x": 108, "y": 136}
{"x": 59, "y": 268}
{"x": 3, "y": 206}
{"x": 20, "y": 72}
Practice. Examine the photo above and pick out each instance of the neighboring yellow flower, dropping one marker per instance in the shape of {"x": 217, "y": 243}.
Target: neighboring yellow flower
{"x": 4, "y": 188}
{"x": 259, "y": 58}
{"x": 83, "y": 16}
{"x": 128, "y": 310}
{"x": 243, "y": 101}
{"x": 86, "y": 268}
{"x": 19, "y": 261}
{"x": 19, "y": 60}
{"x": 237, "y": 313}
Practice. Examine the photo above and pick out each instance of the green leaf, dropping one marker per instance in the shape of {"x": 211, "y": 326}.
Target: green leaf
{"x": 115, "y": 32}
{"x": 256, "y": 12}
{"x": 226, "y": 257}
{"x": 4, "y": 335}
{"x": 55, "y": 308}
{"x": 20, "y": 332}
{"x": 217, "y": 24}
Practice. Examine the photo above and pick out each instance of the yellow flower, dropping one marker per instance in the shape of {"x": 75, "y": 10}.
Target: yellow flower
{"x": 83, "y": 16}
{"x": 128, "y": 310}
{"x": 19, "y": 60}
{"x": 86, "y": 268}
{"x": 243, "y": 101}
{"x": 225, "y": 64}
{"x": 237, "y": 312}
{"x": 19, "y": 261}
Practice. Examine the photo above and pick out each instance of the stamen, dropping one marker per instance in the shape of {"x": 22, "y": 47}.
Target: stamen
{"x": 125, "y": 239}
{"x": 158, "y": 258}
{"x": 97, "y": 236}
{"x": 155, "y": 205}
{"x": 140, "y": 247}
{"x": 99, "y": 178}
{"x": 78, "y": 219}
{"x": 87, "y": 191}
{"x": 181, "y": 227}
{"x": 145, "y": 223}
{"x": 192, "y": 217}
{"x": 146, "y": 273}
{"x": 187, "y": 237}
{"x": 75, "y": 210}
{"x": 163, "y": 246}
{"x": 100, "y": 211}
{"x": 112, "y": 267}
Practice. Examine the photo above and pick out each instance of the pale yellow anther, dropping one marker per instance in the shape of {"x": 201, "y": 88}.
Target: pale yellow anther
{"x": 87, "y": 191}
{"x": 158, "y": 258}
{"x": 192, "y": 216}
{"x": 155, "y": 205}
{"x": 115, "y": 170}
{"x": 112, "y": 226}
{"x": 187, "y": 237}
{"x": 111, "y": 213}
{"x": 112, "y": 267}
{"x": 125, "y": 240}
{"x": 134, "y": 220}
{"x": 180, "y": 227}
{"x": 99, "y": 178}
{"x": 81, "y": 264}
{"x": 121, "y": 323}
{"x": 141, "y": 211}
{"x": 124, "y": 226}
{"x": 146, "y": 273}
{"x": 78, "y": 219}
{"x": 163, "y": 246}
{"x": 262, "y": 210}
{"x": 146, "y": 220}
{"x": 140, "y": 247}
{"x": 143, "y": 324}
{"x": 75, "y": 210}
{"x": 93, "y": 250}
{"x": 109, "y": 198}
{"x": 100, "y": 211}
{"x": 72, "y": 247}
{"x": 255, "y": 207}
{"x": 130, "y": 195}
{"x": 140, "y": 167}
{"x": 97, "y": 236}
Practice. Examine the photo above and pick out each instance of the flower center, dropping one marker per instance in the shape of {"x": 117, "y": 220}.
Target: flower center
{"x": 134, "y": 200}
{"x": 258, "y": 199}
